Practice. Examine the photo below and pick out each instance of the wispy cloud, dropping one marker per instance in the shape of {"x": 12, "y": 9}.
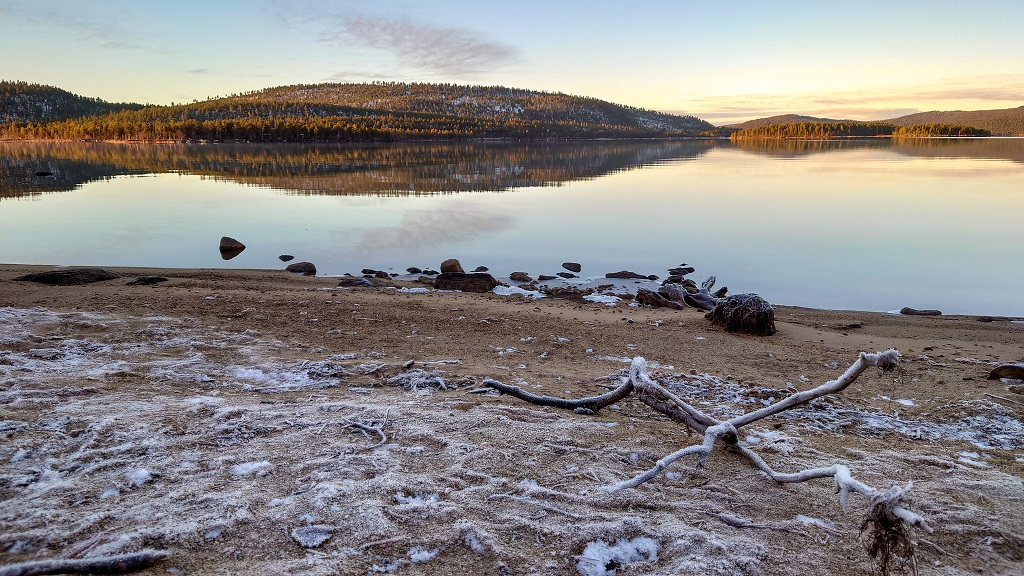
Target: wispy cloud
{"x": 88, "y": 22}
{"x": 199, "y": 71}
{"x": 453, "y": 52}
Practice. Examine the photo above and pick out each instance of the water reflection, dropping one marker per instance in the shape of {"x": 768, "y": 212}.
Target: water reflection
{"x": 401, "y": 170}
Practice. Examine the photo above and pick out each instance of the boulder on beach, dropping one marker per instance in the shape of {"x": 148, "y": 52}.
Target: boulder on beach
{"x": 286, "y": 257}
{"x": 69, "y": 277}
{"x": 304, "y": 268}
{"x": 572, "y": 267}
{"x": 908, "y": 311}
{"x": 452, "y": 266}
{"x": 229, "y": 247}
{"x": 474, "y": 282}
{"x": 520, "y": 277}
{"x": 1012, "y": 371}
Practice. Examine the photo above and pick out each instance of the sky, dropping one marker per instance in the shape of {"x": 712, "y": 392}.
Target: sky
{"x": 725, "y": 61}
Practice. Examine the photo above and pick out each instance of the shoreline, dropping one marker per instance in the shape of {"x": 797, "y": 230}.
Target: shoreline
{"x": 214, "y": 411}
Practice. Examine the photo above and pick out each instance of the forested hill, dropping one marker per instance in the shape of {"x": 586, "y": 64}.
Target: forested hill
{"x": 493, "y": 103}
{"x": 358, "y": 113}
{"x": 25, "y": 102}
{"x": 1004, "y": 122}
{"x": 781, "y": 119}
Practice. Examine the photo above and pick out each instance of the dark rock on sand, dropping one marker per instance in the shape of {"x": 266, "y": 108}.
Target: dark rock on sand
{"x": 567, "y": 275}
{"x": 572, "y": 267}
{"x": 286, "y": 257}
{"x": 146, "y": 281}
{"x": 1014, "y": 371}
{"x": 355, "y": 282}
{"x": 474, "y": 282}
{"x": 907, "y": 311}
{"x": 304, "y": 268}
{"x": 229, "y": 247}
{"x": 545, "y": 278}
{"x": 413, "y": 270}
{"x": 627, "y": 275}
{"x": 452, "y": 266}
{"x": 746, "y": 313}
{"x": 520, "y": 277}
{"x": 69, "y": 277}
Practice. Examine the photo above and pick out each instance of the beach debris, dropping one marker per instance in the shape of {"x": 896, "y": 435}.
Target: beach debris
{"x": 286, "y": 257}
{"x": 120, "y": 564}
{"x": 652, "y": 298}
{"x": 1011, "y": 371}
{"x": 908, "y": 311}
{"x": 746, "y": 313}
{"x": 473, "y": 282}
{"x": 70, "y": 276}
{"x": 451, "y": 266}
{"x": 703, "y": 299}
{"x": 229, "y": 247}
{"x": 572, "y": 267}
{"x": 304, "y": 268}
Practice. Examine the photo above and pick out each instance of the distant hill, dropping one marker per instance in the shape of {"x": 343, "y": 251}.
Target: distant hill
{"x": 25, "y": 102}
{"x": 1004, "y": 122}
{"x": 346, "y": 113}
{"x": 780, "y": 119}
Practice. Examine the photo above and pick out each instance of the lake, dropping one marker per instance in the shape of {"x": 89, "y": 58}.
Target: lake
{"x": 863, "y": 225}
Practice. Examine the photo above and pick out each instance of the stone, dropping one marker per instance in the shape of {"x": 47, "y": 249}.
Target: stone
{"x": 69, "y": 277}
{"x": 313, "y": 535}
{"x": 381, "y": 274}
{"x": 572, "y": 267}
{"x": 146, "y": 281}
{"x": 304, "y": 268}
{"x": 229, "y": 247}
{"x": 481, "y": 269}
{"x": 286, "y": 257}
{"x": 681, "y": 270}
{"x": 545, "y": 278}
{"x": 473, "y": 282}
{"x": 1011, "y": 371}
{"x": 413, "y": 270}
{"x": 627, "y": 275}
{"x": 567, "y": 275}
{"x": 429, "y": 272}
{"x": 452, "y": 266}
{"x": 355, "y": 282}
{"x": 745, "y": 313}
{"x": 908, "y": 311}
{"x": 520, "y": 277}
{"x": 652, "y": 298}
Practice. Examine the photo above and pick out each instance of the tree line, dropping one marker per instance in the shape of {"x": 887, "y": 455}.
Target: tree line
{"x": 826, "y": 130}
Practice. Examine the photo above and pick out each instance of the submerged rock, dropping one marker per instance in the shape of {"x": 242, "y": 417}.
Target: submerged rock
{"x": 69, "y": 277}
{"x": 229, "y": 247}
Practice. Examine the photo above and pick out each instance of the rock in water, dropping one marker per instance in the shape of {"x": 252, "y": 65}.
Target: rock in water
{"x": 628, "y": 275}
{"x": 69, "y": 277}
{"x": 520, "y": 277}
{"x": 229, "y": 247}
{"x": 452, "y": 266}
{"x": 304, "y": 268}
{"x": 481, "y": 269}
{"x": 567, "y": 275}
{"x": 572, "y": 267}
{"x": 476, "y": 282}
{"x": 286, "y": 257}
{"x": 746, "y": 313}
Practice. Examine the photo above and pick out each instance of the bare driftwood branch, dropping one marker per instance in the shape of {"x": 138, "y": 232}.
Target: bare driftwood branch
{"x": 702, "y": 450}
{"x": 659, "y": 398}
{"x": 593, "y": 403}
{"x": 119, "y": 564}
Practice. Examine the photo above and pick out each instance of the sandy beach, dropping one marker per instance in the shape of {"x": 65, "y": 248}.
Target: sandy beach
{"x": 258, "y": 422}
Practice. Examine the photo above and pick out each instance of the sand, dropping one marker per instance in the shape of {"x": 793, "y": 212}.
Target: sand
{"x": 257, "y": 422}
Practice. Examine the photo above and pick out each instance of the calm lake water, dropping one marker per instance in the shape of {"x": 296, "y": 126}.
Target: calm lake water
{"x": 865, "y": 225}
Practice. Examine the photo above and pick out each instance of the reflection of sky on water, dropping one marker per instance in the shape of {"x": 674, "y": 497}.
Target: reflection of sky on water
{"x": 864, "y": 229}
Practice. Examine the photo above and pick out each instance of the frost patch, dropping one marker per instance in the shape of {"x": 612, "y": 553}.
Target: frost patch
{"x": 251, "y": 469}
{"x": 418, "y": 554}
{"x": 313, "y": 535}
{"x": 600, "y": 558}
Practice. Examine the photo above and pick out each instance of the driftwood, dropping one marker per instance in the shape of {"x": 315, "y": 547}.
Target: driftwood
{"x": 103, "y": 565}
{"x": 889, "y": 513}
{"x": 747, "y": 313}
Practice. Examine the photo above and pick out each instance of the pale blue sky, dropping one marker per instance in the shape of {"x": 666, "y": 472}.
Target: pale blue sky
{"x": 724, "y": 61}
